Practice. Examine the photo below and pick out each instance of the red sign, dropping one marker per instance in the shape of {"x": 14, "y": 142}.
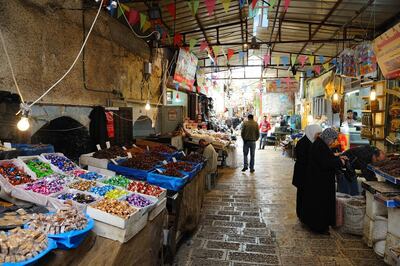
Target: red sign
{"x": 110, "y": 124}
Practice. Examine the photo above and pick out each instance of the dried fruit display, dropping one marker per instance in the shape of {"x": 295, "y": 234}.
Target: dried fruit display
{"x": 193, "y": 157}
{"x": 183, "y": 166}
{"x": 141, "y": 161}
{"x": 172, "y": 172}
{"x": 110, "y": 153}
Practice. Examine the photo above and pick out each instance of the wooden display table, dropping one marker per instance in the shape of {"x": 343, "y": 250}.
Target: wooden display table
{"x": 143, "y": 249}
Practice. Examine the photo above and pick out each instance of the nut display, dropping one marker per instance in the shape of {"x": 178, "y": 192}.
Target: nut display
{"x": 82, "y": 185}
{"x": 14, "y": 175}
{"x": 144, "y": 188}
{"x": 62, "y": 163}
{"x": 101, "y": 190}
{"x": 41, "y": 169}
{"x": 21, "y": 244}
{"x": 172, "y": 172}
{"x": 91, "y": 176}
{"x": 78, "y": 197}
{"x": 115, "y": 194}
{"x": 138, "y": 201}
{"x": 115, "y": 207}
{"x": 110, "y": 153}
{"x": 45, "y": 186}
{"x": 118, "y": 180}
{"x": 162, "y": 149}
{"x": 62, "y": 221}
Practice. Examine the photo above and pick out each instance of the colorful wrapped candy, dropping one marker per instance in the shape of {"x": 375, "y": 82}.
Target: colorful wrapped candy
{"x": 62, "y": 163}
{"x": 91, "y": 176}
{"x": 115, "y": 194}
{"x": 118, "y": 180}
{"x": 102, "y": 190}
{"x": 41, "y": 169}
{"x": 14, "y": 175}
{"x": 45, "y": 186}
{"x": 115, "y": 207}
{"x": 144, "y": 188}
{"x": 138, "y": 201}
{"x": 82, "y": 185}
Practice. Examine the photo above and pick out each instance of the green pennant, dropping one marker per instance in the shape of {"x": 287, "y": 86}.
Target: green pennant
{"x": 272, "y": 3}
{"x": 193, "y": 6}
{"x": 120, "y": 12}
{"x": 192, "y": 43}
{"x": 143, "y": 19}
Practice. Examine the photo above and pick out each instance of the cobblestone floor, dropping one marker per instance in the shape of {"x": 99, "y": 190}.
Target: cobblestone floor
{"x": 249, "y": 219}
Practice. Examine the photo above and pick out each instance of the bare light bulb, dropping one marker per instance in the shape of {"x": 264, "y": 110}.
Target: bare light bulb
{"x": 147, "y": 107}
{"x": 372, "y": 95}
{"x": 335, "y": 97}
{"x": 23, "y": 124}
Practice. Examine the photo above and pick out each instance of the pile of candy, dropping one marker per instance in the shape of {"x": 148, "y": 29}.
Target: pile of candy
{"x": 46, "y": 186}
{"x": 110, "y": 153}
{"x": 41, "y": 169}
{"x": 77, "y": 172}
{"x": 172, "y": 172}
{"x": 138, "y": 201}
{"x": 144, "y": 188}
{"x": 115, "y": 194}
{"x": 65, "y": 178}
{"x": 91, "y": 176}
{"x": 115, "y": 207}
{"x": 14, "y": 175}
{"x": 102, "y": 190}
{"x": 60, "y": 222}
{"x": 82, "y": 185}
{"x": 118, "y": 180}
{"x": 21, "y": 244}
{"x": 78, "y": 197}
{"x": 62, "y": 163}
{"x": 183, "y": 166}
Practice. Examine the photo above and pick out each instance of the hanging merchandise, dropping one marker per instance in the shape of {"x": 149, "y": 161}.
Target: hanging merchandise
{"x": 365, "y": 59}
{"x": 172, "y": 10}
{"x": 346, "y": 63}
{"x": 110, "y": 124}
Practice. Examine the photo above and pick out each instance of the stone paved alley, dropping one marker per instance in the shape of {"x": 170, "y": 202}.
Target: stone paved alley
{"x": 249, "y": 219}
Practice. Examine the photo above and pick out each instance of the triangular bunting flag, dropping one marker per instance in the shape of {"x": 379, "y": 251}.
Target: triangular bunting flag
{"x": 133, "y": 17}
{"x": 312, "y": 59}
{"x": 253, "y": 4}
{"x": 334, "y": 61}
{"x": 278, "y": 60}
{"x": 143, "y": 19}
{"x": 241, "y": 55}
{"x": 146, "y": 26}
{"x": 293, "y": 58}
{"x": 317, "y": 69}
{"x": 287, "y": 81}
{"x": 321, "y": 59}
{"x": 302, "y": 59}
{"x": 203, "y": 45}
{"x": 120, "y": 11}
{"x": 210, "y": 4}
{"x": 192, "y": 43}
{"x": 272, "y": 3}
{"x": 196, "y": 4}
{"x": 287, "y": 4}
{"x": 242, "y": 3}
{"x": 285, "y": 60}
{"x": 216, "y": 50}
{"x": 125, "y": 7}
{"x": 278, "y": 83}
{"x": 178, "y": 39}
{"x": 230, "y": 53}
{"x": 309, "y": 73}
{"x": 297, "y": 77}
{"x": 326, "y": 66}
{"x": 172, "y": 10}
{"x": 267, "y": 58}
{"x": 226, "y": 4}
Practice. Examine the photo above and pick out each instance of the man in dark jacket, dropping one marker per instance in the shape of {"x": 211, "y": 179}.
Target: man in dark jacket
{"x": 250, "y": 134}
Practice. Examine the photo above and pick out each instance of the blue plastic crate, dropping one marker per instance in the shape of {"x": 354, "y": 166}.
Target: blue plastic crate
{"x": 51, "y": 244}
{"x": 167, "y": 182}
{"x": 31, "y": 149}
{"x": 129, "y": 172}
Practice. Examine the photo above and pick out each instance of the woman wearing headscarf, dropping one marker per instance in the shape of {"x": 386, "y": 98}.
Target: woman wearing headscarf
{"x": 300, "y": 167}
{"x": 320, "y": 201}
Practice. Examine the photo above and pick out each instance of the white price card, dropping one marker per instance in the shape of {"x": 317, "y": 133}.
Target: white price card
{"x": 165, "y": 162}
{"x": 124, "y": 148}
{"x": 148, "y": 148}
{"x": 7, "y": 145}
{"x": 108, "y": 144}
{"x": 183, "y": 153}
{"x": 129, "y": 155}
{"x": 134, "y": 145}
{"x": 114, "y": 162}
{"x": 173, "y": 159}
{"x": 158, "y": 170}
{"x": 98, "y": 147}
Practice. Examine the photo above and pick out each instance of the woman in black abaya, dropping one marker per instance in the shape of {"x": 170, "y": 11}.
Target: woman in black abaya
{"x": 320, "y": 201}
{"x": 300, "y": 167}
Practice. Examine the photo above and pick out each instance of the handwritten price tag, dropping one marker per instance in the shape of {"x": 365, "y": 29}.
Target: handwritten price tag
{"x": 98, "y": 147}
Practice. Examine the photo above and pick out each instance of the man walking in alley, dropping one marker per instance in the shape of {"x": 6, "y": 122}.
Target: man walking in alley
{"x": 265, "y": 126}
{"x": 250, "y": 134}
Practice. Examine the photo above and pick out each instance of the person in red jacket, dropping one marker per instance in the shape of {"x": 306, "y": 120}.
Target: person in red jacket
{"x": 265, "y": 126}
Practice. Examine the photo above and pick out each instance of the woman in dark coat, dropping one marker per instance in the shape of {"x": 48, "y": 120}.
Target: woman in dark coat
{"x": 320, "y": 195}
{"x": 300, "y": 167}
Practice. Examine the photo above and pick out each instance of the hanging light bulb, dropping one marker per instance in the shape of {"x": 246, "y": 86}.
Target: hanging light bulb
{"x": 335, "y": 97}
{"x": 23, "y": 124}
{"x": 147, "y": 106}
{"x": 372, "y": 95}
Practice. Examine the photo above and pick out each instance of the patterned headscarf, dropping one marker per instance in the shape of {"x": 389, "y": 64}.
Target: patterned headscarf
{"x": 312, "y": 130}
{"x": 329, "y": 135}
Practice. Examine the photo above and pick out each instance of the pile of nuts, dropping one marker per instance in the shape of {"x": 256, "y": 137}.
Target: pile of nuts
{"x": 172, "y": 172}
{"x": 21, "y": 245}
{"x": 183, "y": 166}
{"x": 82, "y": 185}
{"x": 119, "y": 208}
{"x": 60, "y": 222}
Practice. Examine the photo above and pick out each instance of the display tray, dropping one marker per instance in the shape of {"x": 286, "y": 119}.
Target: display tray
{"x": 43, "y": 155}
{"x": 388, "y": 201}
{"x": 129, "y": 172}
{"x": 167, "y": 182}
{"x": 89, "y": 160}
{"x": 145, "y": 209}
{"x": 111, "y": 219}
{"x": 379, "y": 187}
{"x": 25, "y": 159}
{"x": 392, "y": 179}
{"x": 7, "y": 186}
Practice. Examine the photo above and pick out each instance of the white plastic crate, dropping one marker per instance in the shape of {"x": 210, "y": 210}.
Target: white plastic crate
{"x": 374, "y": 207}
{"x": 394, "y": 221}
{"x": 161, "y": 205}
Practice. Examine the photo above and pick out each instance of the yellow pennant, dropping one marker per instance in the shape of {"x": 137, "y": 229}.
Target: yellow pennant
{"x": 278, "y": 60}
{"x": 226, "y": 4}
{"x": 326, "y": 66}
{"x": 312, "y": 59}
{"x": 216, "y": 50}
{"x": 297, "y": 77}
{"x": 146, "y": 26}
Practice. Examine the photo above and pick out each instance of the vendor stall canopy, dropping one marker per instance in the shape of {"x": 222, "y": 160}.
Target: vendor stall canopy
{"x": 215, "y": 30}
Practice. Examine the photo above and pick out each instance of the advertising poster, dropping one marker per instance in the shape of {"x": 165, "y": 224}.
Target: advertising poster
{"x": 185, "y": 70}
{"x": 387, "y": 51}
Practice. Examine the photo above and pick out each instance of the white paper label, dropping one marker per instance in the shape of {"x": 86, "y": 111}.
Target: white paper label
{"x": 108, "y": 144}
{"x": 98, "y": 147}
{"x": 124, "y": 148}
{"x": 184, "y": 154}
{"x": 134, "y": 145}
{"x": 129, "y": 155}
{"x": 148, "y": 148}
{"x": 165, "y": 162}
{"x": 173, "y": 159}
{"x": 158, "y": 170}
{"x": 7, "y": 145}
{"x": 114, "y": 162}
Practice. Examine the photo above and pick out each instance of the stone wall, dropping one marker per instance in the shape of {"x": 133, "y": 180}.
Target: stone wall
{"x": 44, "y": 36}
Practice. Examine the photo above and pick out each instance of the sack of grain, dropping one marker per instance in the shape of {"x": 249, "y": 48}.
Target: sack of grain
{"x": 341, "y": 198}
{"x": 354, "y": 211}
